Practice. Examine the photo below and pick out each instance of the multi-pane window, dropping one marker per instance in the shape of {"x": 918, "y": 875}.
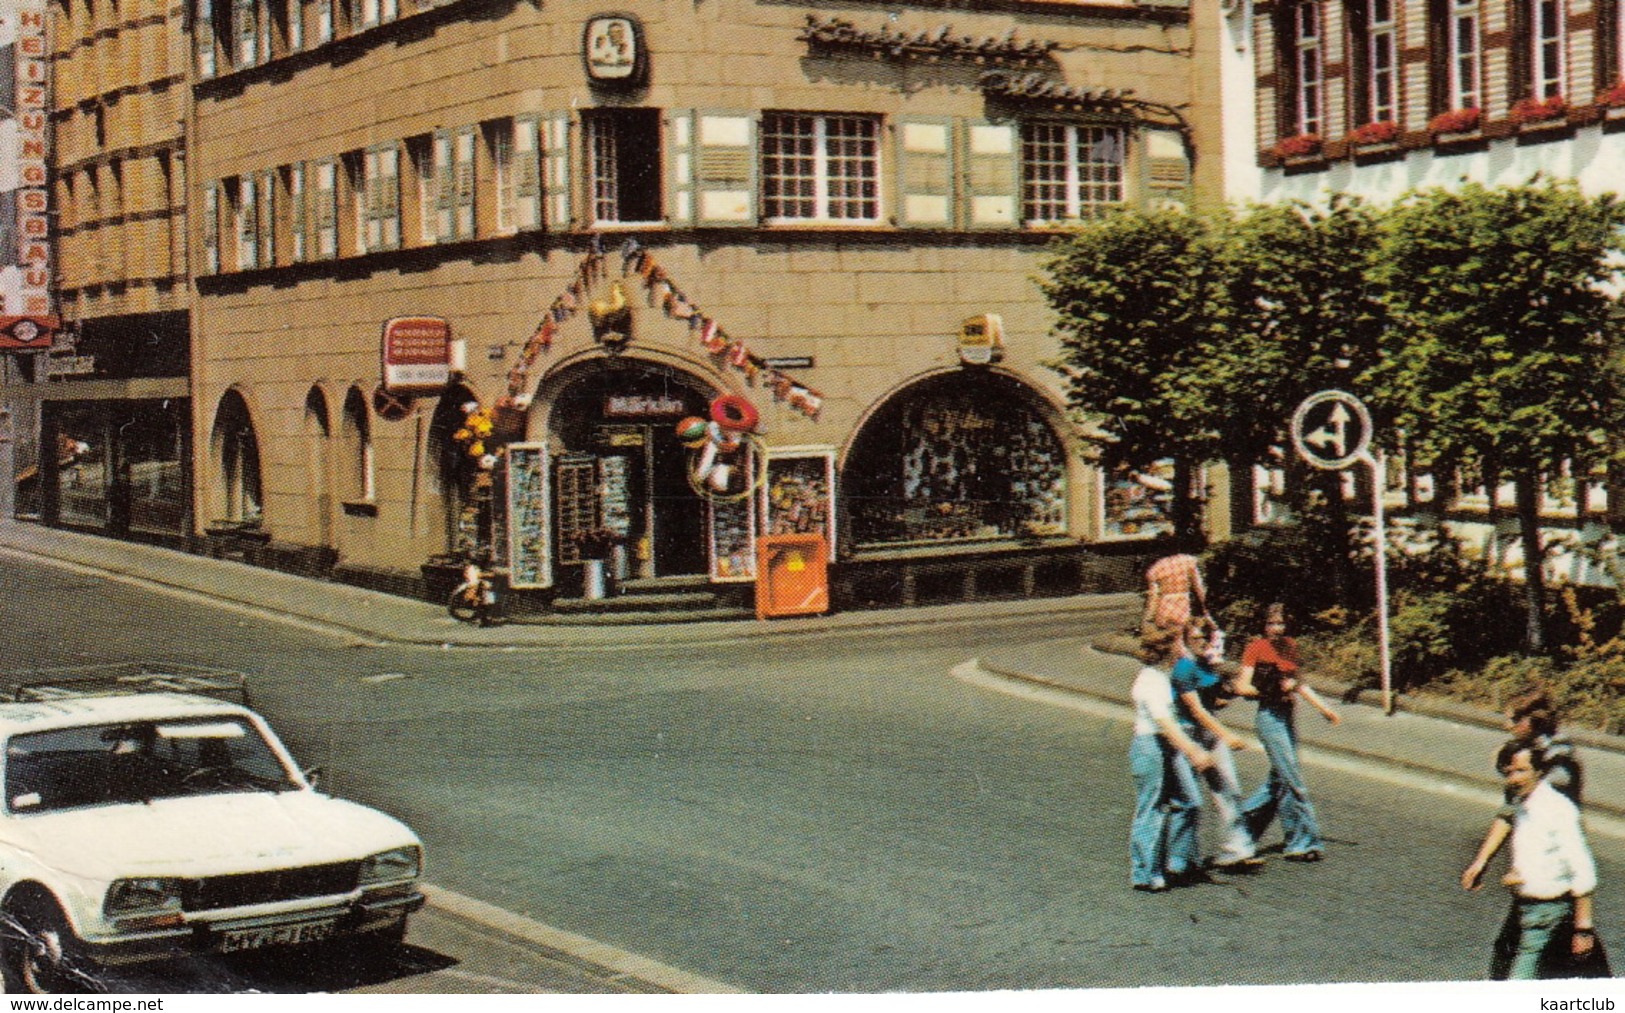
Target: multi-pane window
{"x": 211, "y": 228}
{"x": 242, "y": 194}
{"x": 1308, "y": 65}
{"x": 446, "y": 181}
{"x": 296, "y": 25}
{"x": 294, "y": 177}
{"x": 514, "y": 152}
{"x": 623, "y": 147}
{"x": 1547, "y": 57}
{"x": 267, "y": 219}
{"x": 325, "y": 208}
{"x": 820, "y": 168}
{"x": 1382, "y": 61}
{"x": 324, "y": 20}
{"x": 1463, "y": 77}
{"x": 378, "y": 199}
{"x": 1069, "y": 171}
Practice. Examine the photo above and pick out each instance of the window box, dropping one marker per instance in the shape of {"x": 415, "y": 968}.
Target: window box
{"x": 1455, "y": 125}
{"x": 1298, "y": 148}
{"x": 1540, "y": 112}
{"x": 1370, "y": 135}
{"x": 1612, "y": 102}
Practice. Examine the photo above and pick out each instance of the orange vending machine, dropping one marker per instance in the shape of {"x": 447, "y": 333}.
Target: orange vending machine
{"x": 792, "y": 575}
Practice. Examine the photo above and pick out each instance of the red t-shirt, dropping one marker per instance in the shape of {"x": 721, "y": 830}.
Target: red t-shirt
{"x": 1271, "y": 662}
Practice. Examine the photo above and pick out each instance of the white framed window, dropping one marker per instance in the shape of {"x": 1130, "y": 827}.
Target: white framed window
{"x": 378, "y": 199}
{"x": 1548, "y": 38}
{"x": 325, "y": 211}
{"x": 298, "y": 249}
{"x": 203, "y": 32}
{"x": 296, "y": 25}
{"x": 1466, "y": 54}
{"x": 1308, "y": 66}
{"x": 267, "y": 219}
{"x": 324, "y": 21}
{"x": 246, "y": 18}
{"x": 1382, "y": 62}
{"x": 463, "y": 183}
{"x": 818, "y": 168}
{"x": 246, "y": 222}
{"x": 623, "y": 151}
{"x": 1069, "y": 171}
{"x": 211, "y": 228}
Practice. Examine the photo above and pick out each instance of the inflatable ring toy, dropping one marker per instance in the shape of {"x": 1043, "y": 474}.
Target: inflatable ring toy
{"x": 731, "y": 411}
{"x": 754, "y": 479}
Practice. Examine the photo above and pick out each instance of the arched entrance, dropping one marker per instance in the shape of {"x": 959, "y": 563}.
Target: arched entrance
{"x": 620, "y": 466}
{"x": 957, "y": 457}
{"x": 234, "y": 449}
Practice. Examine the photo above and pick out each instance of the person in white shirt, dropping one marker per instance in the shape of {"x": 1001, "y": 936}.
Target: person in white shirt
{"x": 1159, "y": 743}
{"x": 1552, "y": 876}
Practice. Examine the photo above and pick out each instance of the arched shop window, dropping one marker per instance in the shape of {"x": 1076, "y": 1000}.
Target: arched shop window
{"x": 237, "y": 461}
{"x": 358, "y": 442}
{"x": 958, "y": 457}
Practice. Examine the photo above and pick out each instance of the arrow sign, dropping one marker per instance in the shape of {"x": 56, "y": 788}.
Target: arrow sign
{"x": 1331, "y": 429}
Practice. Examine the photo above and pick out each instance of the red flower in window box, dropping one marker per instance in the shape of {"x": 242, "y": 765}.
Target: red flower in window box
{"x": 1614, "y": 96}
{"x": 1298, "y": 147}
{"x": 1380, "y": 132}
{"x": 1536, "y": 110}
{"x": 1456, "y": 121}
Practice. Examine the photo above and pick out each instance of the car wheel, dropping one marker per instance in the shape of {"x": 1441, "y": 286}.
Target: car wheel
{"x": 41, "y": 954}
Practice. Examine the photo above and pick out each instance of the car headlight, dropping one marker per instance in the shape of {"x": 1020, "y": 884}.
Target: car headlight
{"x": 142, "y": 897}
{"x": 389, "y": 866}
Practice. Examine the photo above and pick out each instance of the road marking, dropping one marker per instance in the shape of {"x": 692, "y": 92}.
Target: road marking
{"x": 580, "y": 947}
{"x": 1373, "y": 767}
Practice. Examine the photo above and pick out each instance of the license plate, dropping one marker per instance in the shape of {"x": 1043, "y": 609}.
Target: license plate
{"x": 276, "y": 935}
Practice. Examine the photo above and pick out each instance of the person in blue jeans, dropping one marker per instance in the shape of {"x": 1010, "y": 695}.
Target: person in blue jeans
{"x": 1199, "y": 691}
{"x": 1157, "y": 751}
{"x": 1270, "y": 673}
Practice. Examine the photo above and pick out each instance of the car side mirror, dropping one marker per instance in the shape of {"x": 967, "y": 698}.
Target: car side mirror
{"x": 314, "y": 776}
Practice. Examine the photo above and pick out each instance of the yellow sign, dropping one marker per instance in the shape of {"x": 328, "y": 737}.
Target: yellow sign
{"x": 981, "y": 339}
{"x": 795, "y": 564}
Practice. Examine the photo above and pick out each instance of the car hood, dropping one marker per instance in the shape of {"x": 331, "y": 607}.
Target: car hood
{"x": 207, "y": 835}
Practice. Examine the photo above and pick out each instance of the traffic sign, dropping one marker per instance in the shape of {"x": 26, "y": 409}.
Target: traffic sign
{"x": 1331, "y": 429}
{"x": 390, "y": 406}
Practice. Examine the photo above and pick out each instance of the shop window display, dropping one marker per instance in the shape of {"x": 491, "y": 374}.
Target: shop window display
{"x": 959, "y": 458}
{"x": 1139, "y": 504}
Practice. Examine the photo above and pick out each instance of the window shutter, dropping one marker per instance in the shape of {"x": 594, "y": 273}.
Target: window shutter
{"x": 389, "y": 195}
{"x": 1167, "y": 169}
{"x": 297, "y": 197}
{"x": 527, "y": 174}
{"x": 558, "y": 133}
{"x": 248, "y": 243}
{"x": 925, "y": 172}
{"x": 327, "y": 210}
{"x": 268, "y": 222}
{"x": 203, "y": 32}
{"x": 725, "y": 168}
{"x": 679, "y": 167}
{"x": 992, "y": 196}
{"x": 467, "y": 144}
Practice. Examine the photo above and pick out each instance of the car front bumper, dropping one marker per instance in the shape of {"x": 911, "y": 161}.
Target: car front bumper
{"x": 225, "y": 932}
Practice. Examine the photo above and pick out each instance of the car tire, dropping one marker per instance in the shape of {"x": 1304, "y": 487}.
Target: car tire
{"x": 41, "y": 955}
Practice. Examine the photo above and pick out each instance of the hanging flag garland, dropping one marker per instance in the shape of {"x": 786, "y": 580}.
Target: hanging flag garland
{"x": 663, "y": 294}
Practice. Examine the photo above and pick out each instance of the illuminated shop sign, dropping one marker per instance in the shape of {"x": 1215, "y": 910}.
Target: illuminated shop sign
{"x": 612, "y": 49}
{"x": 27, "y": 303}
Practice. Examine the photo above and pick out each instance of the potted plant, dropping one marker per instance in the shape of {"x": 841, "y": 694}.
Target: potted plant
{"x": 1378, "y": 132}
{"x": 1614, "y": 97}
{"x": 1298, "y": 146}
{"x": 1455, "y": 121}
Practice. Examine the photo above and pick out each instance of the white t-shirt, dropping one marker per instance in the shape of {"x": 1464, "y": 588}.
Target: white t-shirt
{"x": 1549, "y": 851}
{"x": 1153, "y": 698}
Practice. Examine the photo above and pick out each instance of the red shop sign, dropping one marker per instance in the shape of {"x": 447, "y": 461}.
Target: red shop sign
{"x": 417, "y": 355}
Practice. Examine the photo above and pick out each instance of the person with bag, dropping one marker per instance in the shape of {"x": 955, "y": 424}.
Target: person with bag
{"x": 1163, "y": 793}
{"x": 1550, "y": 930}
{"x": 1270, "y": 673}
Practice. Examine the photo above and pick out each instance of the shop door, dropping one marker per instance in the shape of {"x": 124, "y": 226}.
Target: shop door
{"x": 645, "y": 497}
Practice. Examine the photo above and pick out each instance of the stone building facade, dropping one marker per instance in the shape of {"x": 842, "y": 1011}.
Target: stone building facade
{"x": 716, "y": 210}
{"x": 104, "y": 415}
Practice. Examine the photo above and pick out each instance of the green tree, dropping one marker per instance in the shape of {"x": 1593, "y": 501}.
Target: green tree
{"x": 1133, "y": 294}
{"x": 1498, "y": 355}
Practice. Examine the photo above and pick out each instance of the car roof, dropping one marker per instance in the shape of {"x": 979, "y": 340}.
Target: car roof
{"x": 75, "y": 711}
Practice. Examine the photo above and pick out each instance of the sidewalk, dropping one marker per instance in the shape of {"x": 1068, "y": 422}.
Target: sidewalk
{"x": 1433, "y": 736}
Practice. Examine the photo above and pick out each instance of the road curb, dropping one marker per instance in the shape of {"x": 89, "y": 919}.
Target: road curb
{"x": 662, "y": 977}
{"x": 1383, "y": 759}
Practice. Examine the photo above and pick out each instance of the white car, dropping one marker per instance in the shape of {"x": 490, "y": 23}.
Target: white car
{"x": 140, "y": 824}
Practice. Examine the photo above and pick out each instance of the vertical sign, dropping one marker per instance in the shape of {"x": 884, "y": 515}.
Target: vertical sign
{"x": 27, "y": 318}
{"x": 530, "y": 562}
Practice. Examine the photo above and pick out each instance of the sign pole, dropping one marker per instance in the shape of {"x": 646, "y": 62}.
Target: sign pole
{"x": 1332, "y": 430}
{"x": 1379, "y": 483}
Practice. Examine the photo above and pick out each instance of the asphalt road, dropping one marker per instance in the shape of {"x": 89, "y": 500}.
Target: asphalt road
{"x": 834, "y": 813}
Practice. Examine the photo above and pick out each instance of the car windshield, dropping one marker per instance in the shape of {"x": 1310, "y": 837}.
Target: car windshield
{"x": 139, "y": 761}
